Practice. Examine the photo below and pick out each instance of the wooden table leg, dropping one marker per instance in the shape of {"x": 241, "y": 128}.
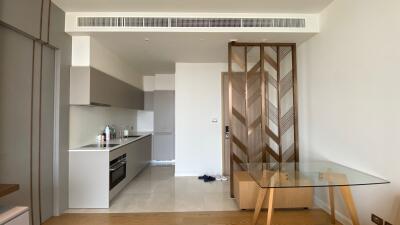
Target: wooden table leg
{"x": 259, "y": 204}
{"x": 270, "y": 205}
{"x": 332, "y": 204}
{"x": 348, "y": 200}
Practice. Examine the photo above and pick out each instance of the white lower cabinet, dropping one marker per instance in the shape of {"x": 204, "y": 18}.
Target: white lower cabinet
{"x": 138, "y": 156}
{"x": 89, "y": 173}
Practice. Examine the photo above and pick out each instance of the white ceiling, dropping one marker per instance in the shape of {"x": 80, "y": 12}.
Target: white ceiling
{"x": 159, "y": 54}
{"x": 162, "y": 50}
{"x": 211, "y": 6}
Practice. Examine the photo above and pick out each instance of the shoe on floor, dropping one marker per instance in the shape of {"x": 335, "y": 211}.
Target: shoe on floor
{"x": 203, "y": 177}
{"x": 209, "y": 179}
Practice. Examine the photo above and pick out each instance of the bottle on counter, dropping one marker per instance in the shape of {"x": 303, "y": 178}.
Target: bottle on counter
{"x": 103, "y": 136}
{"x": 107, "y": 131}
{"x": 99, "y": 138}
{"x": 126, "y": 132}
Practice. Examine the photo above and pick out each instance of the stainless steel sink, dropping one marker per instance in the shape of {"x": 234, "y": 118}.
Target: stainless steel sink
{"x": 100, "y": 146}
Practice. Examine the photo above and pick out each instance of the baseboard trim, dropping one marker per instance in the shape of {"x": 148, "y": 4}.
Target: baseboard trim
{"x": 343, "y": 219}
{"x": 186, "y": 174}
{"x": 162, "y": 163}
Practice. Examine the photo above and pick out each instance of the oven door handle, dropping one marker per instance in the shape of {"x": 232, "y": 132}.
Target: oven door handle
{"x": 119, "y": 165}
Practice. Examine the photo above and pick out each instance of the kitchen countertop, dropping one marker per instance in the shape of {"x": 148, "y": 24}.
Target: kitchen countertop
{"x": 119, "y": 141}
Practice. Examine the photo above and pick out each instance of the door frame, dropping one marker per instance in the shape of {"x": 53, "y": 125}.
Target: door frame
{"x": 225, "y": 162}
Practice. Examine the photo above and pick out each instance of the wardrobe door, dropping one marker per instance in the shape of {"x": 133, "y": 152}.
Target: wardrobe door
{"x": 46, "y": 133}
{"x": 16, "y": 63}
{"x": 25, "y": 15}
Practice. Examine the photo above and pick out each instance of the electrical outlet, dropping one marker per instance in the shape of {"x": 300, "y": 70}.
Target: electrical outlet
{"x": 387, "y": 223}
{"x": 376, "y": 219}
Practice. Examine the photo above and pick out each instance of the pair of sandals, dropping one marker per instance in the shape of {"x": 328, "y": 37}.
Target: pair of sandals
{"x": 206, "y": 178}
{"x": 211, "y": 178}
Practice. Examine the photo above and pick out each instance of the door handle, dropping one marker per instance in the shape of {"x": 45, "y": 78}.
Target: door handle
{"x": 227, "y": 132}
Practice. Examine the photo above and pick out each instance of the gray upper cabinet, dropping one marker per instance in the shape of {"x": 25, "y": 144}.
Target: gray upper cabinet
{"x": 89, "y": 86}
{"x": 25, "y": 15}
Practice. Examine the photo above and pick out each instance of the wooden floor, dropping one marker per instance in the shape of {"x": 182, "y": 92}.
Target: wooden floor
{"x": 281, "y": 217}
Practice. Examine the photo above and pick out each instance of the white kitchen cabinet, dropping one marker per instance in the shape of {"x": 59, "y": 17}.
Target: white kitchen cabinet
{"x": 138, "y": 156}
{"x": 89, "y": 171}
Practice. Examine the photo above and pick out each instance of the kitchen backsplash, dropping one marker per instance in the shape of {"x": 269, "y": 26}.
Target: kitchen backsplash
{"x": 87, "y": 122}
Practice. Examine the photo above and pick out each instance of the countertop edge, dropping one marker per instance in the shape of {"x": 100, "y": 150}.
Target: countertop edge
{"x": 12, "y": 213}
{"x": 113, "y": 148}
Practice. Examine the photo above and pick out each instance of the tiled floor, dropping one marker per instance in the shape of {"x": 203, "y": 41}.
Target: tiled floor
{"x": 156, "y": 189}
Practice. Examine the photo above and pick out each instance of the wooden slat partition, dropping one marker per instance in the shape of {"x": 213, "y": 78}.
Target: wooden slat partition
{"x": 262, "y": 103}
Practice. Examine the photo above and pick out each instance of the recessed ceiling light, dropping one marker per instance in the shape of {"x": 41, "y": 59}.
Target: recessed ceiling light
{"x": 202, "y": 39}
{"x": 233, "y": 40}
{"x": 264, "y": 40}
{"x": 147, "y": 39}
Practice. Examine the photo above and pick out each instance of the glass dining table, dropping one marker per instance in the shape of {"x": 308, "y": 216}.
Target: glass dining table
{"x": 272, "y": 176}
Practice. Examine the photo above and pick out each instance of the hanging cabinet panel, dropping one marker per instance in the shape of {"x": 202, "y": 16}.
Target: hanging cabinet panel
{"x": 89, "y": 86}
{"x": 111, "y": 91}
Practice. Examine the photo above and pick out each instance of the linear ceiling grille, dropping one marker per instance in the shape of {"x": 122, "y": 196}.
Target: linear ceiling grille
{"x": 189, "y": 22}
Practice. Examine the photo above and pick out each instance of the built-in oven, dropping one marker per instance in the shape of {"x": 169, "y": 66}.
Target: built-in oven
{"x": 117, "y": 170}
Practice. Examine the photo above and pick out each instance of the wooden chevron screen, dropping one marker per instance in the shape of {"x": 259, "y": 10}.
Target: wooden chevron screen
{"x": 262, "y": 104}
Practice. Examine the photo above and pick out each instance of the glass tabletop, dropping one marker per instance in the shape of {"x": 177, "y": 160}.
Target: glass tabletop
{"x": 308, "y": 174}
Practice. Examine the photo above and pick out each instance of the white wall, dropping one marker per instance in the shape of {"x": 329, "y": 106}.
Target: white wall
{"x": 164, "y": 82}
{"x": 148, "y": 83}
{"x": 350, "y": 98}
{"x": 87, "y": 122}
{"x": 198, "y": 141}
{"x": 80, "y": 51}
